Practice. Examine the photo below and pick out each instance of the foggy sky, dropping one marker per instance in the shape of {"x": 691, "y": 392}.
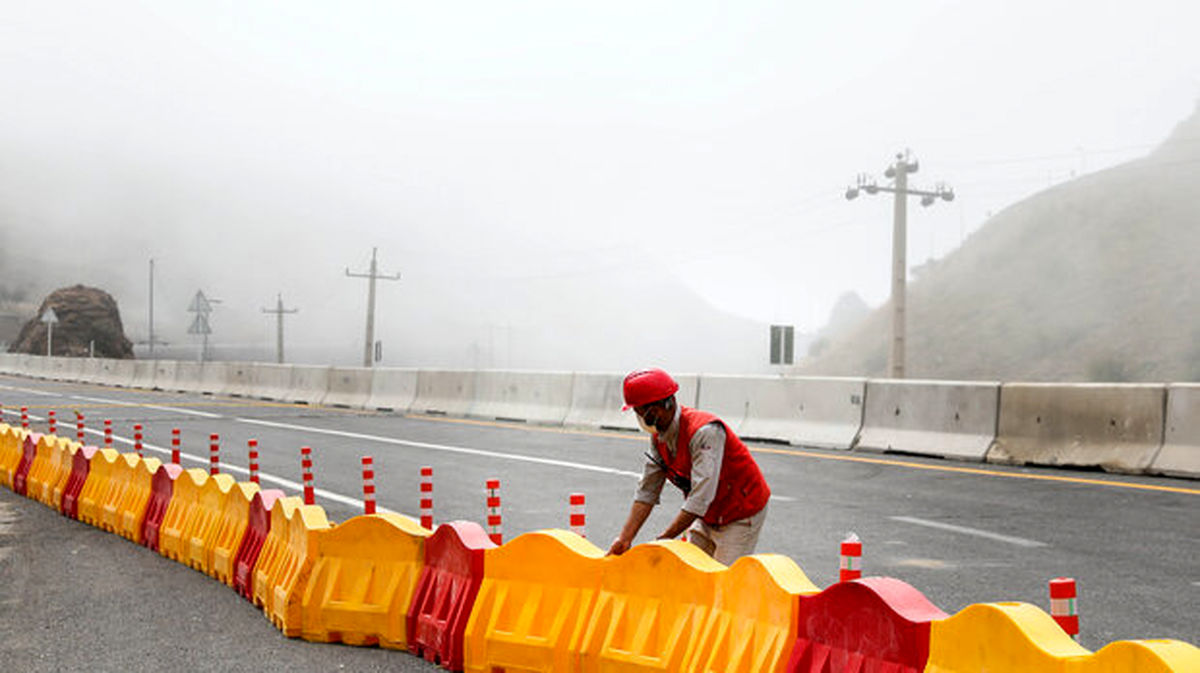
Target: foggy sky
{"x": 496, "y": 152}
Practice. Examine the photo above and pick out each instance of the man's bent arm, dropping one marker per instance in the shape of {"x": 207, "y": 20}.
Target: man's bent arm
{"x": 637, "y": 517}
{"x": 680, "y": 524}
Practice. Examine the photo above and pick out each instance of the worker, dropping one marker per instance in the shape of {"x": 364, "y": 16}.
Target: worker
{"x": 725, "y": 495}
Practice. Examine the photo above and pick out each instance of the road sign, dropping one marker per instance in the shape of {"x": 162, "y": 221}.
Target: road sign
{"x": 200, "y": 325}
{"x": 200, "y": 304}
{"x": 50, "y": 317}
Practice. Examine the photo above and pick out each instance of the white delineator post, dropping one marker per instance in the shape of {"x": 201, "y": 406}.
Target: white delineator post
{"x": 368, "y": 474}
{"x": 851, "y": 563}
{"x": 253, "y": 446}
{"x": 1063, "y": 607}
{"x": 494, "y": 527}
{"x": 306, "y": 464}
{"x": 426, "y": 498}
{"x": 578, "y": 514}
{"x": 214, "y": 454}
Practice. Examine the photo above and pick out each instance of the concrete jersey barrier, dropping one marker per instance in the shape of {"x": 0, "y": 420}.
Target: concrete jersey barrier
{"x": 1180, "y": 454}
{"x": 392, "y": 389}
{"x": 536, "y": 397}
{"x": 951, "y": 419}
{"x": 818, "y": 411}
{"x": 1118, "y": 427}
{"x": 444, "y": 391}
{"x": 596, "y": 400}
{"x": 187, "y": 377}
{"x": 309, "y": 384}
{"x": 269, "y": 382}
{"x": 349, "y": 387}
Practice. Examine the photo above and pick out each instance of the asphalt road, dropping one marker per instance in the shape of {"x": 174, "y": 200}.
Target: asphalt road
{"x": 961, "y": 533}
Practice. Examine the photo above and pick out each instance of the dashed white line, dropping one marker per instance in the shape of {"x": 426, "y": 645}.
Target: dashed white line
{"x": 1019, "y": 541}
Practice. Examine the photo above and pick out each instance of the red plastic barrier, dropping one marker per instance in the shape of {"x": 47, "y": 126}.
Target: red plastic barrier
{"x": 257, "y": 527}
{"x": 81, "y": 464}
{"x": 162, "y": 487}
{"x": 446, "y": 591}
{"x": 21, "y": 474}
{"x": 869, "y": 625}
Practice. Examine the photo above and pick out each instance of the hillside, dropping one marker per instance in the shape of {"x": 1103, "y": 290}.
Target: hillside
{"x": 1097, "y": 279}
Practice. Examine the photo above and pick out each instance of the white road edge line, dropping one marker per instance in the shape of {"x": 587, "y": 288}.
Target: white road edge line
{"x": 443, "y": 447}
{"x": 1019, "y": 541}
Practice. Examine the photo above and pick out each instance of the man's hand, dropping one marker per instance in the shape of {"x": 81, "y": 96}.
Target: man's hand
{"x": 619, "y": 546}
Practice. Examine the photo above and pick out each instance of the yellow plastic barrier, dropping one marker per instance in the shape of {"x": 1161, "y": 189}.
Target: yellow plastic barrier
{"x": 200, "y": 535}
{"x": 95, "y": 489}
{"x": 280, "y": 579}
{"x": 364, "y": 574}
{"x": 655, "y": 600}
{"x": 231, "y": 527}
{"x": 754, "y": 616}
{"x": 60, "y": 485}
{"x": 1019, "y": 638}
{"x": 131, "y": 509}
{"x": 44, "y": 459}
{"x": 273, "y": 552}
{"x": 119, "y": 484}
{"x": 1143, "y": 656}
{"x": 172, "y": 542}
{"x": 12, "y": 441}
{"x": 533, "y": 605}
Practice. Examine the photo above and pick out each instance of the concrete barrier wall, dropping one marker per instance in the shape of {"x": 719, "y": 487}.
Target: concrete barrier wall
{"x": 393, "y": 389}
{"x": 239, "y": 383}
{"x": 214, "y": 377}
{"x": 270, "y": 382}
{"x": 596, "y": 400}
{"x": 143, "y": 374}
{"x": 118, "y": 372}
{"x": 818, "y": 411}
{"x": 536, "y": 397}
{"x": 309, "y": 384}
{"x": 164, "y": 374}
{"x": 952, "y": 419}
{"x": 1116, "y": 427}
{"x": 1180, "y": 455}
{"x": 348, "y": 387}
{"x": 444, "y": 391}
{"x": 187, "y": 376}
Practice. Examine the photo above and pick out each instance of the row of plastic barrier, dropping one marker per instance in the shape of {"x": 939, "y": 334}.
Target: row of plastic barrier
{"x": 1135, "y": 428}
{"x": 547, "y": 600}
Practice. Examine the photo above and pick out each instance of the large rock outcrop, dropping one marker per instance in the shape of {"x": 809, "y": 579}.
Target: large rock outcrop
{"x": 85, "y": 315}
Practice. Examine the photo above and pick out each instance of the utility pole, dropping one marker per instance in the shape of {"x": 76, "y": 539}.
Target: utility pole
{"x": 279, "y": 312}
{"x": 368, "y": 348}
{"x": 151, "y": 308}
{"x": 899, "y": 172}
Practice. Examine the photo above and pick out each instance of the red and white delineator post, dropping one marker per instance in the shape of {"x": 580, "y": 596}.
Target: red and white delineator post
{"x": 851, "y": 562}
{"x": 252, "y": 444}
{"x": 214, "y": 454}
{"x": 1063, "y": 607}
{"x": 108, "y": 433}
{"x": 24, "y": 418}
{"x": 306, "y": 464}
{"x": 577, "y": 513}
{"x": 494, "y": 528}
{"x": 426, "y": 498}
{"x": 79, "y": 427}
{"x": 368, "y": 474}
{"x": 51, "y": 422}
{"x": 174, "y": 446}
{"x": 137, "y": 438}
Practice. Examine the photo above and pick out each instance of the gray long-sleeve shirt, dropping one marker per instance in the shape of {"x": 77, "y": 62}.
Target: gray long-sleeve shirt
{"x": 708, "y": 450}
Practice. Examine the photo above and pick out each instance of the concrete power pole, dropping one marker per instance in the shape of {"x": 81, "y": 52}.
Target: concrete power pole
{"x": 368, "y": 349}
{"x": 899, "y": 172}
{"x": 279, "y": 312}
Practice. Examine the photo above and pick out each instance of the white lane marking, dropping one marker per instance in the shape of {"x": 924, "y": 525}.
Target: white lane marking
{"x": 1019, "y": 541}
{"x": 193, "y": 412}
{"x": 30, "y": 391}
{"x": 444, "y": 447}
{"x": 783, "y": 498}
{"x": 84, "y": 398}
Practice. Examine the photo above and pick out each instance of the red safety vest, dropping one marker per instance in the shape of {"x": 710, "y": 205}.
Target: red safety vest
{"x": 741, "y": 489}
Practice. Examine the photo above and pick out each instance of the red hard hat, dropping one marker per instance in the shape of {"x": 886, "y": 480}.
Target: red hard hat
{"x": 648, "y": 385}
